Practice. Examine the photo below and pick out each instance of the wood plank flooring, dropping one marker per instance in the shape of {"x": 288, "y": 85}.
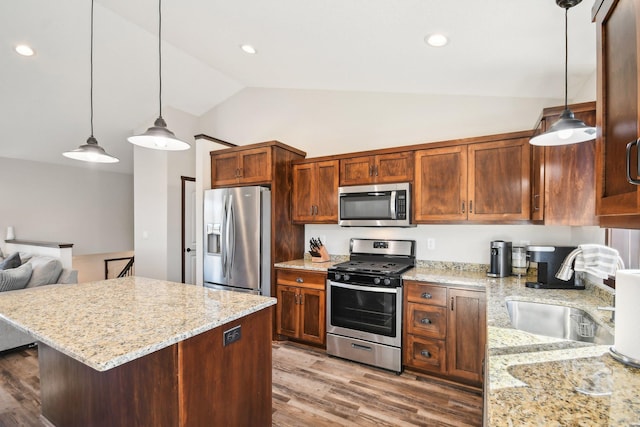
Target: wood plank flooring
{"x": 309, "y": 389}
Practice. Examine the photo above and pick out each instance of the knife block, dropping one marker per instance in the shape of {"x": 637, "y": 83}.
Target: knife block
{"x": 324, "y": 255}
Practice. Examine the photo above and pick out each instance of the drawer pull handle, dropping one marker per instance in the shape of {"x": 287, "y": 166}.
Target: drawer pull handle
{"x": 425, "y": 353}
{"x": 299, "y": 280}
{"x": 629, "y": 177}
{"x": 426, "y": 321}
{"x": 361, "y": 347}
{"x": 426, "y": 295}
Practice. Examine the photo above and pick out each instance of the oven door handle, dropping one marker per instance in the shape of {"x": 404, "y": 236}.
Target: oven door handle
{"x": 364, "y": 288}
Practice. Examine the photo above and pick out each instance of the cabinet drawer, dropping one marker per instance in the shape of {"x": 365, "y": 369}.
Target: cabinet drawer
{"x": 426, "y": 320}
{"x": 425, "y": 293}
{"x": 301, "y": 278}
{"x": 425, "y": 354}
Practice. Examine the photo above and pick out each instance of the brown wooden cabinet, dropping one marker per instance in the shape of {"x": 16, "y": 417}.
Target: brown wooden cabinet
{"x": 563, "y": 177}
{"x": 315, "y": 192}
{"x": 467, "y": 334}
{"x": 483, "y": 181}
{"x": 618, "y": 111}
{"x": 300, "y": 313}
{"x": 445, "y": 331}
{"x": 244, "y": 167}
{"x": 381, "y": 168}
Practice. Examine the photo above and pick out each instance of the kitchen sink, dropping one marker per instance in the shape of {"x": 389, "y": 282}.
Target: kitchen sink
{"x": 557, "y": 321}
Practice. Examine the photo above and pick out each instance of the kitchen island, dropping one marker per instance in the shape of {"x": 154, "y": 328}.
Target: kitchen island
{"x": 137, "y": 351}
{"x": 532, "y": 379}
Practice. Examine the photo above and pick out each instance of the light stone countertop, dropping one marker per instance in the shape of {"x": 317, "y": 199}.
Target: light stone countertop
{"x": 532, "y": 379}
{"x": 107, "y": 323}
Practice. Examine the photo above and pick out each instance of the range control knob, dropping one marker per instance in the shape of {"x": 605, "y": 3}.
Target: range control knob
{"x": 387, "y": 281}
{"x": 337, "y": 276}
{"x": 346, "y": 277}
{"x": 376, "y": 280}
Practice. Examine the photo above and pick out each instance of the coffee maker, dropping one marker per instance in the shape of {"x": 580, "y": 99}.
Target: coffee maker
{"x": 500, "y": 265}
{"x": 549, "y": 259}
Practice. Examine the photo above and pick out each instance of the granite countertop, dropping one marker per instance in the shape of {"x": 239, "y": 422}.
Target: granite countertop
{"x": 107, "y": 323}
{"x": 532, "y": 379}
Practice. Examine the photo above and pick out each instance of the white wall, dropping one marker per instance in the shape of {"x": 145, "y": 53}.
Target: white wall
{"x": 90, "y": 208}
{"x": 327, "y": 122}
{"x": 332, "y": 122}
{"x": 157, "y": 211}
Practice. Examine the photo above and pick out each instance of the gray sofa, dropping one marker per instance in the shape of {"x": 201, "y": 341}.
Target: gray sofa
{"x": 44, "y": 270}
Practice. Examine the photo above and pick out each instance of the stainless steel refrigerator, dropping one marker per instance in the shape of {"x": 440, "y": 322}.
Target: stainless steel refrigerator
{"x": 237, "y": 239}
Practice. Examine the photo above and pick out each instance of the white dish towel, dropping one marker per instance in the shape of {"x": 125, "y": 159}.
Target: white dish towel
{"x": 598, "y": 260}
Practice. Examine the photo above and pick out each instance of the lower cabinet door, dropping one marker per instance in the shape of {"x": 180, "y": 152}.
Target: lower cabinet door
{"x": 312, "y": 316}
{"x": 425, "y": 354}
{"x": 287, "y": 312}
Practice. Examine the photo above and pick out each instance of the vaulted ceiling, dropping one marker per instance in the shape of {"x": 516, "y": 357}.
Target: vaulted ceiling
{"x": 504, "y": 48}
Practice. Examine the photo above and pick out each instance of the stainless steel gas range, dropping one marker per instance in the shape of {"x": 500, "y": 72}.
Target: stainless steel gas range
{"x": 364, "y": 302}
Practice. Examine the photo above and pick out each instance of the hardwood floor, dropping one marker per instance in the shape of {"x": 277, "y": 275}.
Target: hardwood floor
{"x": 309, "y": 389}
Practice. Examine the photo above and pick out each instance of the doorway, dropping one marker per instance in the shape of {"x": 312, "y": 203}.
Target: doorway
{"x": 188, "y": 230}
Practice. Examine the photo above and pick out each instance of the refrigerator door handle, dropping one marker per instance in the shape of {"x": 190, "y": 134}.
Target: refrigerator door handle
{"x": 232, "y": 235}
{"x": 225, "y": 237}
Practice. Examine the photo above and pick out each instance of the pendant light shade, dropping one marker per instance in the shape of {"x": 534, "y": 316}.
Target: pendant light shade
{"x": 158, "y": 136}
{"x": 91, "y": 151}
{"x": 568, "y": 129}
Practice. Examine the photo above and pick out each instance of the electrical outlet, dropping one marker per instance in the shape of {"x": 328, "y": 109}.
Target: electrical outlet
{"x": 231, "y": 336}
{"x": 431, "y": 244}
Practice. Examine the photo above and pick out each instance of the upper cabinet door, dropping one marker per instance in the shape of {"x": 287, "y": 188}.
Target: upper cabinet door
{"x": 357, "y": 170}
{"x": 499, "y": 180}
{"x": 440, "y": 185}
{"x": 397, "y": 167}
{"x": 255, "y": 165}
{"x": 315, "y": 192}
{"x": 303, "y": 206}
{"x": 327, "y": 192}
{"x": 618, "y": 30}
{"x": 224, "y": 169}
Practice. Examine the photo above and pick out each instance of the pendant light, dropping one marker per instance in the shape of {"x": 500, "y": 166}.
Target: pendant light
{"x": 91, "y": 151}
{"x": 158, "y": 136}
{"x": 567, "y": 129}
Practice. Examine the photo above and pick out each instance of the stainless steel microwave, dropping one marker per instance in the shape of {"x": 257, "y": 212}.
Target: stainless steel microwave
{"x": 382, "y": 205}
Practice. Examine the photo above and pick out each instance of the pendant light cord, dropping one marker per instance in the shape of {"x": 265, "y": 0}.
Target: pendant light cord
{"x": 91, "y": 67}
{"x": 160, "y": 54}
{"x": 566, "y": 55}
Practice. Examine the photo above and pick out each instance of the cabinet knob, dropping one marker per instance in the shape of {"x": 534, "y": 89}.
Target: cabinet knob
{"x": 425, "y": 321}
{"x": 426, "y": 295}
{"x": 425, "y": 353}
{"x": 299, "y": 280}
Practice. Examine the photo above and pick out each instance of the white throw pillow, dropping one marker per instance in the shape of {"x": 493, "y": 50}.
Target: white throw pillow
{"x": 15, "y": 278}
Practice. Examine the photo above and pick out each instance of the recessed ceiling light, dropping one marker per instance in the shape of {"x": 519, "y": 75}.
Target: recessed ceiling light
{"x": 436, "y": 40}
{"x": 24, "y": 50}
{"x": 248, "y": 48}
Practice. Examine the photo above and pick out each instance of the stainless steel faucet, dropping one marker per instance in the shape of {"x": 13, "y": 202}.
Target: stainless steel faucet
{"x": 611, "y": 308}
{"x": 566, "y": 268}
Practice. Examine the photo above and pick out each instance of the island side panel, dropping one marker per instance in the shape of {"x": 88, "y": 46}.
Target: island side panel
{"x": 227, "y": 385}
{"x": 140, "y": 392}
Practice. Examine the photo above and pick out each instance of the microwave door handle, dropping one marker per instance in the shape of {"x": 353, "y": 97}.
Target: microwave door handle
{"x": 393, "y": 204}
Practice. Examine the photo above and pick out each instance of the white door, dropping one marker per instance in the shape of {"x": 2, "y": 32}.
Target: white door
{"x": 189, "y": 236}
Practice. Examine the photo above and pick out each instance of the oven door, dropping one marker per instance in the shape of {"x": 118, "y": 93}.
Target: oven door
{"x": 368, "y": 313}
